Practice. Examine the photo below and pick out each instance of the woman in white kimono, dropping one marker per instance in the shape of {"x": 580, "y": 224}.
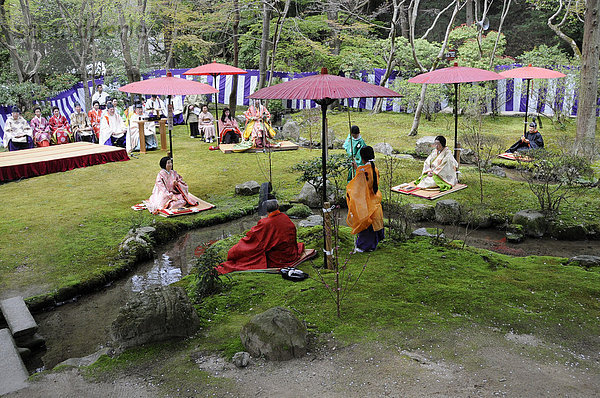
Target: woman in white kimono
{"x": 439, "y": 170}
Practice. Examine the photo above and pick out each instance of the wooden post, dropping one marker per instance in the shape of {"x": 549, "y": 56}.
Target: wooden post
{"x": 162, "y": 129}
{"x": 142, "y": 136}
{"x": 328, "y": 255}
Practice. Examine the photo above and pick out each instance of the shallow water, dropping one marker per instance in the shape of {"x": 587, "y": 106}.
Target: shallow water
{"x": 81, "y": 327}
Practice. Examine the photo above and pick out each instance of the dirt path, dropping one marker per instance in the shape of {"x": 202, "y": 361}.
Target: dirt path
{"x": 474, "y": 362}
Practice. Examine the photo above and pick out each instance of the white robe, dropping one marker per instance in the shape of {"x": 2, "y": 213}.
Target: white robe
{"x": 443, "y": 165}
{"x": 133, "y": 135}
{"x": 16, "y": 130}
{"x": 110, "y": 126}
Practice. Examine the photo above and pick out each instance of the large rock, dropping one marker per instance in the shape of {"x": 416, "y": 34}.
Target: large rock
{"x": 383, "y": 147}
{"x": 311, "y": 221}
{"x": 309, "y": 196}
{"x": 299, "y": 211}
{"x": 139, "y": 242}
{"x": 586, "y": 260}
{"x": 420, "y": 212}
{"x": 533, "y": 222}
{"x": 562, "y": 231}
{"x": 276, "y": 334}
{"x": 423, "y": 145}
{"x": 497, "y": 171}
{"x": 248, "y": 188}
{"x": 447, "y": 211}
{"x": 290, "y": 131}
{"x": 467, "y": 156}
{"x": 157, "y": 314}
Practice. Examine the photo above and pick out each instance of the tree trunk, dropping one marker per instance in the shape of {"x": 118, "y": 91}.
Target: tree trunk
{"x": 469, "y": 11}
{"x": 143, "y": 33}
{"x": 278, "y": 28}
{"x": 9, "y": 43}
{"x": 505, "y": 8}
{"x": 236, "y": 53}
{"x": 332, "y": 21}
{"x": 264, "y": 45}
{"x": 125, "y": 49}
{"x": 556, "y": 28}
{"x": 404, "y": 20}
{"x": 391, "y": 62}
{"x": 588, "y": 93}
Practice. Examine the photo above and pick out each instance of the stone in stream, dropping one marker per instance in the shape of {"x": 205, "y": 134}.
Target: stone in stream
{"x": 533, "y": 222}
{"x": 585, "y": 260}
{"x": 309, "y": 196}
{"x": 241, "y": 359}
{"x": 420, "y": 211}
{"x": 157, "y": 314}
{"x": 275, "y": 334}
{"x": 311, "y": 221}
{"x": 248, "y": 188}
{"x": 13, "y": 375}
{"x": 447, "y": 211}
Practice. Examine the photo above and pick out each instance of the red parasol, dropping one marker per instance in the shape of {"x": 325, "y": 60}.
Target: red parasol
{"x": 168, "y": 85}
{"x": 527, "y": 73}
{"x": 455, "y": 75}
{"x": 215, "y": 69}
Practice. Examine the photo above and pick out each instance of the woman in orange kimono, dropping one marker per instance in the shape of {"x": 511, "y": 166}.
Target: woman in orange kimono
{"x": 60, "y": 128}
{"x": 170, "y": 191}
{"x": 95, "y": 115}
{"x": 365, "y": 215}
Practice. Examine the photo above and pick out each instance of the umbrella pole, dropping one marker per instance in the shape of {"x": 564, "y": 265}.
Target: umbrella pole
{"x": 327, "y": 252}
{"x": 216, "y": 111}
{"x": 170, "y": 123}
{"x": 526, "y": 108}
{"x": 456, "y": 121}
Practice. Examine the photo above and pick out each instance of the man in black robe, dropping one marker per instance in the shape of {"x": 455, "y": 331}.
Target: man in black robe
{"x": 531, "y": 140}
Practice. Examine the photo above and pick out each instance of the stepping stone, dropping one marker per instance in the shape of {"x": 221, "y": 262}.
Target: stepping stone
{"x": 13, "y": 375}
{"x": 18, "y": 317}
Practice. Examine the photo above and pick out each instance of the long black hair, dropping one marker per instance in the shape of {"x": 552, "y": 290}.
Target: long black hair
{"x": 442, "y": 140}
{"x": 224, "y": 117}
{"x": 163, "y": 162}
{"x": 367, "y": 154}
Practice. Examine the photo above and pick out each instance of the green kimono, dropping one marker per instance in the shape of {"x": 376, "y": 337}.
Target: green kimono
{"x": 353, "y": 147}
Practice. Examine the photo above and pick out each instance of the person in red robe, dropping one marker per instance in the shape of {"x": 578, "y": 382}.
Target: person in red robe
{"x": 271, "y": 243}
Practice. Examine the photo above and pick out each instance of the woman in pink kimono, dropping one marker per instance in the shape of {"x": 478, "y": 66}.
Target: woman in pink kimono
{"x": 41, "y": 128}
{"x": 170, "y": 191}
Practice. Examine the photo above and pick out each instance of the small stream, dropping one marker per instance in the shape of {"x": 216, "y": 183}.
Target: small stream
{"x": 80, "y": 327}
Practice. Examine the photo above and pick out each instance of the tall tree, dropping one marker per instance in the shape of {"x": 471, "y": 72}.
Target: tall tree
{"x": 236, "y": 53}
{"x": 588, "y": 93}
{"x": 264, "y": 43}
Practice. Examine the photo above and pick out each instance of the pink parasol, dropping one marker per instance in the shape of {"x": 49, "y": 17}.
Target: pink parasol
{"x": 215, "y": 69}
{"x": 527, "y": 73}
{"x": 168, "y": 85}
{"x": 455, "y": 75}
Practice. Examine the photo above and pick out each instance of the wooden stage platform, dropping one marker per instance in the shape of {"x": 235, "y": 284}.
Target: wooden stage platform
{"x": 39, "y": 161}
{"x": 282, "y": 146}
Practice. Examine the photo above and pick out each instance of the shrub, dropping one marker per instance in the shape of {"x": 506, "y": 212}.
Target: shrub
{"x": 208, "y": 281}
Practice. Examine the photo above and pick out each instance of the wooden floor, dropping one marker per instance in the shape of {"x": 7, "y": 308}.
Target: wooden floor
{"x": 282, "y": 146}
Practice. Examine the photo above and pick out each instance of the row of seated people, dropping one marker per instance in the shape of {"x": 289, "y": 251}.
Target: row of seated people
{"x": 110, "y": 127}
{"x": 201, "y": 123}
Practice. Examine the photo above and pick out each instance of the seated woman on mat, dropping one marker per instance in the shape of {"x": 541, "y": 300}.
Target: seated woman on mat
{"x": 229, "y": 130}
{"x": 257, "y": 127}
{"x": 530, "y": 140}
{"x": 60, "y": 128}
{"x": 439, "y": 169}
{"x": 206, "y": 124}
{"x": 271, "y": 243}
{"x": 170, "y": 191}
{"x": 41, "y": 128}
{"x": 17, "y": 132}
{"x": 363, "y": 196}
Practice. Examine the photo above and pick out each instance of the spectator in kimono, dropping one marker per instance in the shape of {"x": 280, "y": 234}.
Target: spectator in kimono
{"x": 17, "y": 132}
{"x": 439, "y": 169}
{"x": 170, "y": 191}
{"x": 112, "y": 129}
{"x": 271, "y": 243}
{"x": 257, "y": 124}
{"x": 155, "y": 107}
{"x": 81, "y": 126}
{"x": 206, "y": 124}
{"x": 119, "y": 110}
{"x": 94, "y": 115}
{"x": 101, "y": 96}
{"x": 229, "y": 130}
{"x": 133, "y": 136}
{"x": 178, "y": 109}
{"x": 60, "y": 128}
{"x": 41, "y": 128}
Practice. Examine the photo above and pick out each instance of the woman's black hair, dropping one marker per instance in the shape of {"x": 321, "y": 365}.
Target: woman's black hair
{"x": 354, "y": 130}
{"x": 36, "y": 108}
{"x": 223, "y": 117}
{"x": 96, "y": 102}
{"x": 442, "y": 140}
{"x": 163, "y": 162}
{"x": 55, "y": 107}
{"x": 368, "y": 154}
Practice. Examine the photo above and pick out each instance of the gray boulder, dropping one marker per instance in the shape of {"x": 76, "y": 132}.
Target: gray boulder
{"x": 290, "y": 131}
{"x": 429, "y": 232}
{"x": 447, "y": 211}
{"x": 423, "y": 145}
{"x": 560, "y": 230}
{"x": 139, "y": 242}
{"x": 586, "y": 260}
{"x": 497, "y": 171}
{"x": 402, "y": 156}
{"x": 533, "y": 222}
{"x": 241, "y": 359}
{"x": 467, "y": 156}
{"x": 157, "y": 314}
{"x": 309, "y": 196}
{"x": 276, "y": 334}
{"x": 514, "y": 237}
{"x": 312, "y": 221}
{"x": 248, "y": 188}
{"x": 299, "y": 211}
{"x": 384, "y": 148}
{"x": 420, "y": 212}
